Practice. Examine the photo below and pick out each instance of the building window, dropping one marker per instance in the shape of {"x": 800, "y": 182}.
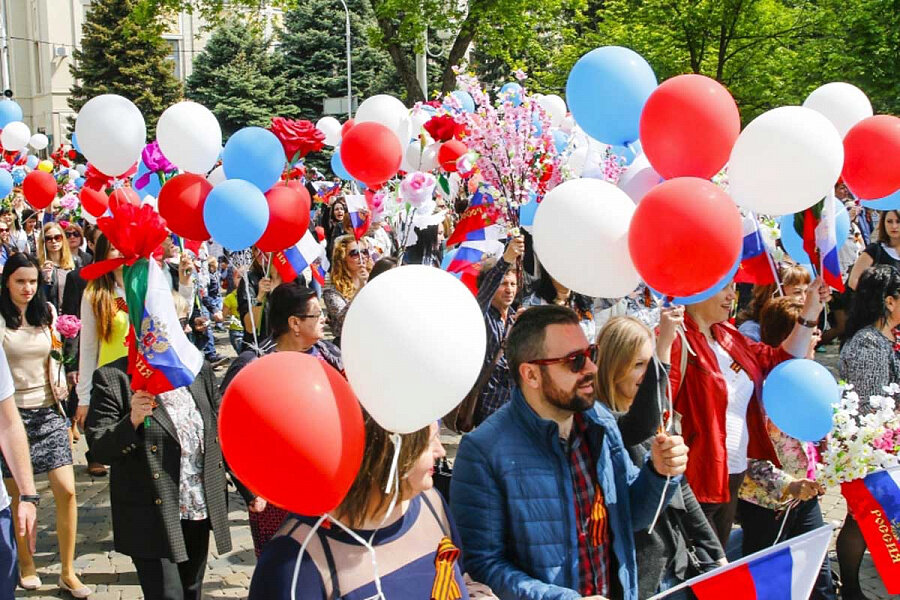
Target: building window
{"x": 175, "y": 56}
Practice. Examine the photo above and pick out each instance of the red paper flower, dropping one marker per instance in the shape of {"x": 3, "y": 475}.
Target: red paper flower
{"x": 135, "y": 231}
{"x": 298, "y": 138}
{"x": 444, "y": 128}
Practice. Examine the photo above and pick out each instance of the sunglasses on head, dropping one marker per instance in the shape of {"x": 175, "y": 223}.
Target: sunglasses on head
{"x": 574, "y": 360}
{"x": 356, "y": 252}
{"x": 54, "y": 238}
{"x": 73, "y": 234}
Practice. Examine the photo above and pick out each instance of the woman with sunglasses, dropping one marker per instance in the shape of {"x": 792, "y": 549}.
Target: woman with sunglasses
{"x": 56, "y": 262}
{"x": 26, "y": 332}
{"x": 717, "y": 376}
{"x": 75, "y": 238}
{"x": 298, "y": 325}
{"x": 350, "y": 267}
{"x": 6, "y": 247}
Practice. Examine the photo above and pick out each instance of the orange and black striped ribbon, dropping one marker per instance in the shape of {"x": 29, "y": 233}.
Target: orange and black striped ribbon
{"x": 598, "y": 519}
{"x": 121, "y": 305}
{"x": 445, "y": 586}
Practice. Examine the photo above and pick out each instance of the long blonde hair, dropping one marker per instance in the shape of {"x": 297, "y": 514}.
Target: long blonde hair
{"x": 340, "y": 274}
{"x": 618, "y": 345}
{"x": 65, "y": 259}
{"x": 101, "y": 293}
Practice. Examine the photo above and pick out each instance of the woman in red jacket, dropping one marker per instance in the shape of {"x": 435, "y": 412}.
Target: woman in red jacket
{"x": 717, "y": 377}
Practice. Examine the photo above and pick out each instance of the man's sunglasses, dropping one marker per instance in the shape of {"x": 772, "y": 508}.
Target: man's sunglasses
{"x": 356, "y": 252}
{"x": 575, "y": 360}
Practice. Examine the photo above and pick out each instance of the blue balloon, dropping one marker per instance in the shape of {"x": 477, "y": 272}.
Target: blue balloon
{"x": 560, "y": 140}
{"x": 79, "y": 183}
{"x": 606, "y": 92}
{"x": 465, "y": 100}
{"x": 18, "y": 175}
{"x": 32, "y": 162}
{"x": 152, "y": 187}
{"x": 686, "y": 300}
{"x": 254, "y": 154}
{"x": 6, "y": 183}
{"x": 798, "y": 396}
{"x": 9, "y": 111}
{"x": 513, "y": 91}
{"x": 75, "y": 144}
{"x": 337, "y": 165}
{"x": 448, "y": 258}
{"x": 793, "y": 243}
{"x": 891, "y": 202}
{"x": 625, "y": 153}
{"x": 536, "y": 125}
{"x": 236, "y": 214}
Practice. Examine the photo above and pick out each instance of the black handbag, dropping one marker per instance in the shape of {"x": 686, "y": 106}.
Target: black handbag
{"x": 443, "y": 476}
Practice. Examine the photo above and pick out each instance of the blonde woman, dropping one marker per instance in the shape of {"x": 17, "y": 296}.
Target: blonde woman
{"x": 56, "y": 262}
{"x": 350, "y": 267}
{"x": 683, "y": 543}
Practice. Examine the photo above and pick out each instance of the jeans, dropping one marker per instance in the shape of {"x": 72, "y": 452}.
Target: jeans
{"x": 761, "y": 527}
{"x": 9, "y": 563}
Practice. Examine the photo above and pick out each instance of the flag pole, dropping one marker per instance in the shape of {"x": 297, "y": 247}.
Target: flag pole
{"x": 769, "y": 258}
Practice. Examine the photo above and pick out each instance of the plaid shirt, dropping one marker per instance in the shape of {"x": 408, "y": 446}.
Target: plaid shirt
{"x": 498, "y": 388}
{"x": 590, "y": 514}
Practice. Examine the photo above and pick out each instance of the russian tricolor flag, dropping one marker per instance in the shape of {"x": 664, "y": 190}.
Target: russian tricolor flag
{"x": 826, "y": 243}
{"x": 290, "y": 263}
{"x": 491, "y": 232}
{"x": 360, "y": 214}
{"x": 875, "y": 504}
{"x": 786, "y": 571}
{"x": 755, "y": 266}
{"x": 479, "y": 215}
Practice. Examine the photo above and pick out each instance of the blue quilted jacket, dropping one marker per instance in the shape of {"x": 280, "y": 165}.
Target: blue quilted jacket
{"x": 512, "y": 499}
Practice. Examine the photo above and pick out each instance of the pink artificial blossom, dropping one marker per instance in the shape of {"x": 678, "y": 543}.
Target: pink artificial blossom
{"x": 68, "y": 326}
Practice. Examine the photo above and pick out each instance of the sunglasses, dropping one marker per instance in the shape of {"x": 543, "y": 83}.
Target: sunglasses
{"x": 317, "y": 315}
{"x": 54, "y": 238}
{"x": 356, "y": 252}
{"x": 575, "y": 360}
{"x": 3, "y": 229}
{"x": 73, "y": 234}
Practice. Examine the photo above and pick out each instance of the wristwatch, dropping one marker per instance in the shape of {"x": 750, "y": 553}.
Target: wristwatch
{"x": 805, "y": 323}
{"x": 35, "y": 499}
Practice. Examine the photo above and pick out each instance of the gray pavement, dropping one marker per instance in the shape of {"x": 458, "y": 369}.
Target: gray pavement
{"x": 228, "y": 576}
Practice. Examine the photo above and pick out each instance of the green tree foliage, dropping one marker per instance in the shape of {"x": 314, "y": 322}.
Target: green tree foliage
{"x": 314, "y": 55}
{"x": 123, "y": 52}
{"x": 239, "y": 78}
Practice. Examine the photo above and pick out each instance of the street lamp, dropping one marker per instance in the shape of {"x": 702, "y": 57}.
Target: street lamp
{"x": 349, "y": 79}
{"x": 422, "y": 59}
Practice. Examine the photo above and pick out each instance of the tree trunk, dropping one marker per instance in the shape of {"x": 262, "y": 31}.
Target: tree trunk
{"x": 457, "y": 52}
{"x": 400, "y": 56}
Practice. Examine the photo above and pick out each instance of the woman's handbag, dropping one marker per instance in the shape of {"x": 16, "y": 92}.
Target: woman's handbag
{"x": 462, "y": 418}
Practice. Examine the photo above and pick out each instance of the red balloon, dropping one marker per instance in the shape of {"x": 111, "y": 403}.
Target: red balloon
{"x": 39, "y": 189}
{"x": 310, "y": 423}
{"x": 872, "y": 157}
{"x": 348, "y": 124}
{"x": 689, "y": 126}
{"x": 371, "y": 153}
{"x": 126, "y": 195}
{"x": 288, "y": 217}
{"x": 95, "y": 202}
{"x": 685, "y": 236}
{"x": 449, "y": 153}
{"x": 180, "y": 203}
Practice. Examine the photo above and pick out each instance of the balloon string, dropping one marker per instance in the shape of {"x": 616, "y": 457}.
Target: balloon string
{"x": 250, "y": 312}
{"x": 783, "y": 523}
{"x": 396, "y": 440}
{"x": 303, "y": 546}
{"x": 663, "y": 406}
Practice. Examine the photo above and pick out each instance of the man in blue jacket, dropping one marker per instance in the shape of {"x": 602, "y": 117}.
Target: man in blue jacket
{"x": 544, "y": 494}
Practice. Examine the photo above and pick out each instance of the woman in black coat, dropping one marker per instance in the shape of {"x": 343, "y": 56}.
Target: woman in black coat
{"x": 167, "y": 481}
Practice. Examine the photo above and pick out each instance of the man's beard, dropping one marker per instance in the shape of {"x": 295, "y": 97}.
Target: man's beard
{"x": 570, "y": 400}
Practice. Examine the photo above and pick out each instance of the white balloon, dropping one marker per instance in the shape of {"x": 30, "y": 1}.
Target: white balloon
{"x": 639, "y": 178}
{"x": 189, "y": 136}
{"x": 429, "y": 160}
{"x": 844, "y": 104}
{"x": 568, "y": 124}
{"x": 81, "y": 169}
{"x": 388, "y": 111}
{"x": 39, "y": 141}
{"x": 331, "y": 127}
{"x": 555, "y": 107}
{"x": 577, "y": 160}
{"x": 784, "y": 161}
{"x": 418, "y": 118}
{"x": 111, "y": 133}
{"x": 217, "y": 176}
{"x": 581, "y": 238}
{"x": 412, "y": 158}
{"x": 15, "y": 136}
{"x": 407, "y": 367}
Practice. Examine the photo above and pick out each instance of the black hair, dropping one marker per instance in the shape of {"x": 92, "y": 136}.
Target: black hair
{"x": 875, "y": 285}
{"x": 426, "y": 250}
{"x": 486, "y": 267}
{"x": 543, "y": 287}
{"x": 287, "y": 300}
{"x": 38, "y": 312}
{"x": 384, "y": 264}
{"x": 526, "y": 338}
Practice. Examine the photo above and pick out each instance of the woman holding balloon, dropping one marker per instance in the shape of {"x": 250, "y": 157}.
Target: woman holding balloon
{"x": 717, "y": 377}
{"x": 884, "y": 251}
{"x": 868, "y": 362}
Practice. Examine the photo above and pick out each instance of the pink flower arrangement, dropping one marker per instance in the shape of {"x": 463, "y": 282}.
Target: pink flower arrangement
{"x": 68, "y": 326}
{"x": 888, "y": 441}
{"x": 417, "y": 188}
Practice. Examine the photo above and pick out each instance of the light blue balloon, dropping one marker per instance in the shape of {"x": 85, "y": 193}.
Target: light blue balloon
{"x": 236, "y": 214}
{"x": 10, "y": 111}
{"x": 536, "y": 125}
{"x": 18, "y": 175}
{"x": 626, "y": 154}
{"x": 152, "y": 187}
{"x": 79, "y": 183}
{"x": 254, "y": 154}
{"x": 793, "y": 243}
{"x": 606, "y": 92}
{"x": 75, "y": 144}
{"x": 891, "y": 202}
{"x": 32, "y": 162}
{"x": 798, "y": 396}
{"x": 337, "y": 165}
{"x": 513, "y": 91}
{"x": 465, "y": 100}
{"x": 6, "y": 183}
{"x": 560, "y": 140}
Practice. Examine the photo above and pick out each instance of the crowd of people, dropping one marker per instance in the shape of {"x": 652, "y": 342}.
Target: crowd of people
{"x": 609, "y": 446}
